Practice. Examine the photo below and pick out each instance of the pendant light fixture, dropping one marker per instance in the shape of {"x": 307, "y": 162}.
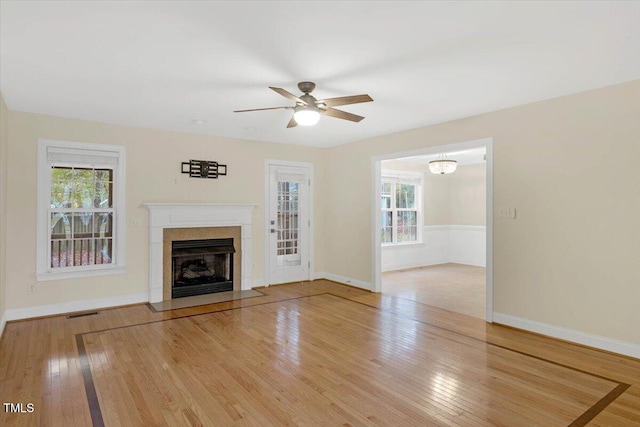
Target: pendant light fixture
{"x": 443, "y": 165}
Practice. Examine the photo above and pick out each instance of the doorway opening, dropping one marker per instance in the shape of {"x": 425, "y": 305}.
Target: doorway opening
{"x": 432, "y": 233}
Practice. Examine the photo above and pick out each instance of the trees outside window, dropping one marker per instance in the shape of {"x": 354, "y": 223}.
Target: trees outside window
{"x": 82, "y": 214}
{"x": 400, "y": 209}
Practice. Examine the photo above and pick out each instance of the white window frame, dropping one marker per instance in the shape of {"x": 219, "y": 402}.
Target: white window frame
{"x": 44, "y": 271}
{"x": 404, "y": 177}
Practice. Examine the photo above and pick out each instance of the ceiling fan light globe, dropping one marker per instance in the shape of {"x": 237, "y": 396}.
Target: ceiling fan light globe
{"x": 306, "y": 117}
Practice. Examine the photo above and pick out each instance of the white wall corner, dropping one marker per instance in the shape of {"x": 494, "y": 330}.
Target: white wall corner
{"x": 73, "y": 306}
{"x": 344, "y": 280}
{"x": 595, "y": 341}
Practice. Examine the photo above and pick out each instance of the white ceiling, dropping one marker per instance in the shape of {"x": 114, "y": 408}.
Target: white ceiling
{"x": 164, "y": 64}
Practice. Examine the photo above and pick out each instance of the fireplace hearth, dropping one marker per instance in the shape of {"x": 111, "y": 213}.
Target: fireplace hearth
{"x": 201, "y": 266}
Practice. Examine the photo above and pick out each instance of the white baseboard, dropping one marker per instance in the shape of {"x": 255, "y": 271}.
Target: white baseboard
{"x": 70, "y": 307}
{"x": 342, "y": 279}
{"x": 409, "y": 266}
{"x": 595, "y": 341}
{"x": 3, "y": 322}
{"x": 252, "y": 283}
{"x": 474, "y": 262}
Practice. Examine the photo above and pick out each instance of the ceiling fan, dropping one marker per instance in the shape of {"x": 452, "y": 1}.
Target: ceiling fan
{"x": 308, "y": 109}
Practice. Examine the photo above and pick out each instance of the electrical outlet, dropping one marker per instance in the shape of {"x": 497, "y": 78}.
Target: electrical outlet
{"x": 32, "y": 288}
{"x": 135, "y": 222}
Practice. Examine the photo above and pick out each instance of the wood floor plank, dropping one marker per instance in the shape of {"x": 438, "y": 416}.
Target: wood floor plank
{"x": 457, "y": 287}
{"x": 248, "y": 382}
{"x": 316, "y": 353}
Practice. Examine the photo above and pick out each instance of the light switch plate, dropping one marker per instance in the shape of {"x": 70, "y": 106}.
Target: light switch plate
{"x": 504, "y": 212}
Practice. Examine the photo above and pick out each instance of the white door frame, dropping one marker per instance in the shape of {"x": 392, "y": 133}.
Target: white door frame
{"x": 376, "y": 173}
{"x": 267, "y": 227}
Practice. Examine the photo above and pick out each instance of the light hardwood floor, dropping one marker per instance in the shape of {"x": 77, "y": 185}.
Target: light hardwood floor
{"x": 316, "y": 353}
{"x": 457, "y": 287}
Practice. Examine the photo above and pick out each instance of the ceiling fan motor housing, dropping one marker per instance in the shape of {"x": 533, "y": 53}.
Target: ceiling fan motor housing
{"x": 306, "y": 87}
{"x": 309, "y": 99}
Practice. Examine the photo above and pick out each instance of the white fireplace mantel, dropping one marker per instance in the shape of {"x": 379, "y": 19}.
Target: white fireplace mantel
{"x": 188, "y": 215}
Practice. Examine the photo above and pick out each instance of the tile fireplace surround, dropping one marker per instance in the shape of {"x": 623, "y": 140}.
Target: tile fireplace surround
{"x": 192, "y": 215}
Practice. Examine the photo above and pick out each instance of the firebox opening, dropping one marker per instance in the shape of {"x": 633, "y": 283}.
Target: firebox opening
{"x": 201, "y": 267}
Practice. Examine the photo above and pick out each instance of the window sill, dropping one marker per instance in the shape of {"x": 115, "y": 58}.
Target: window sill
{"x": 61, "y": 275}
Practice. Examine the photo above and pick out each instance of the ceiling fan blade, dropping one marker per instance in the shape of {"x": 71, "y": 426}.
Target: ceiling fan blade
{"x": 345, "y": 100}
{"x": 288, "y": 95}
{"x": 262, "y": 109}
{"x": 339, "y": 114}
{"x": 292, "y": 123}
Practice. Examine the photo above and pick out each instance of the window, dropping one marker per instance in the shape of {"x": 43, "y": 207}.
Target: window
{"x": 400, "y": 208}
{"x": 81, "y": 216}
{"x": 80, "y": 209}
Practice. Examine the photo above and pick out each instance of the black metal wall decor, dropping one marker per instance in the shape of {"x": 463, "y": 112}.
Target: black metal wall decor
{"x": 203, "y": 169}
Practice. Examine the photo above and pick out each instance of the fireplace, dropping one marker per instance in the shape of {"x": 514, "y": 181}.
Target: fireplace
{"x": 201, "y": 266}
{"x": 170, "y": 222}
{"x": 196, "y": 265}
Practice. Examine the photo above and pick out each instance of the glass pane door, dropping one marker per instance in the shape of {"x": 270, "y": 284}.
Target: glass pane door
{"x": 288, "y": 224}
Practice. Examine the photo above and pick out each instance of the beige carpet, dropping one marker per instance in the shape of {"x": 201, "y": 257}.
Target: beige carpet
{"x": 455, "y": 287}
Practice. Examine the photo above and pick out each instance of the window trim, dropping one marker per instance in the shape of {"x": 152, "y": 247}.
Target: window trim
{"x": 43, "y": 269}
{"x": 404, "y": 177}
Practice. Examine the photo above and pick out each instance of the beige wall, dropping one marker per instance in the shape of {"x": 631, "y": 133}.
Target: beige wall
{"x": 468, "y": 195}
{"x": 4, "y": 142}
{"x": 571, "y": 167}
{"x": 437, "y": 199}
{"x": 153, "y": 175}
